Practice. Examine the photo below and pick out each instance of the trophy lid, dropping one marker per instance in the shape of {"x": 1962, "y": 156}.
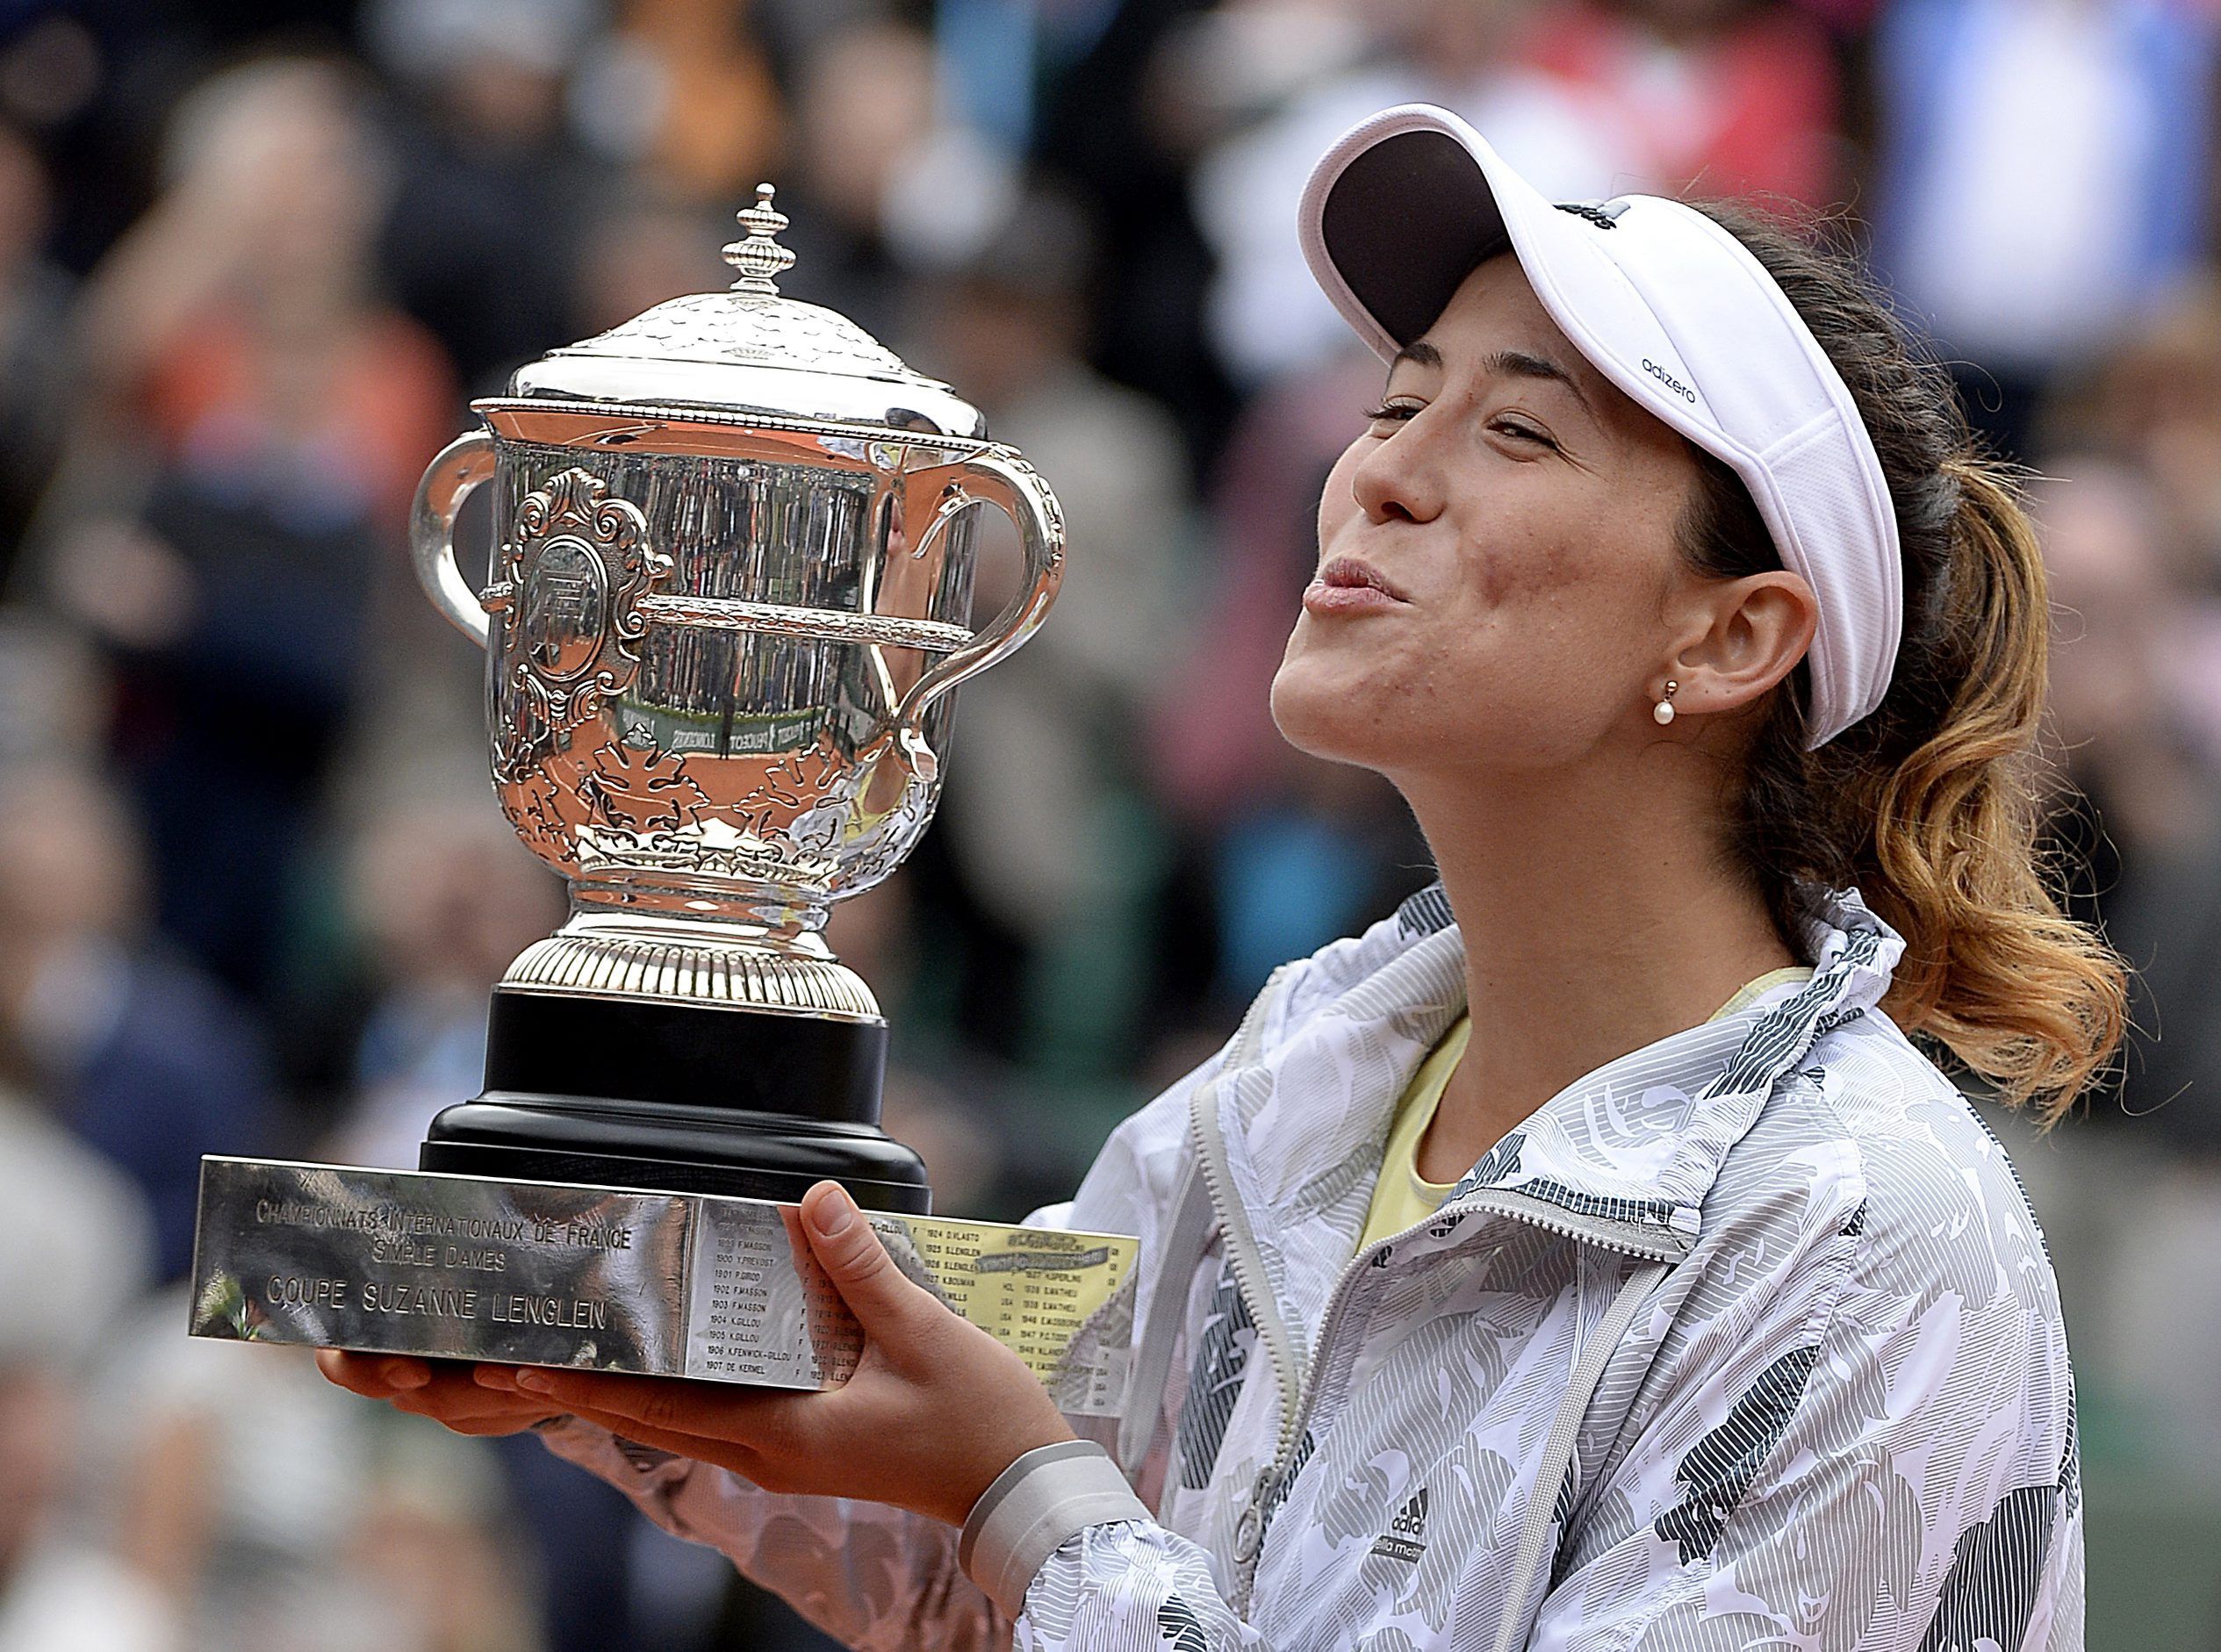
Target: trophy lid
{"x": 749, "y": 352}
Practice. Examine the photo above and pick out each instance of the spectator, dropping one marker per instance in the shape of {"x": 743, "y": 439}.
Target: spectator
{"x": 491, "y": 194}
{"x": 1276, "y": 82}
{"x": 1043, "y": 815}
{"x": 74, "y": 1248}
{"x": 2043, "y": 178}
{"x": 2137, "y": 1211}
{"x": 273, "y": 1520}
{"x": 132, "y": 1047}
{"x": 2144, "y": 813}
{"x": 682, "y": 91}
{"x": 447, "y": 897}
{"x": 1721, "y": 98}
{"x": 35, "y": 346}
{"x": 864, "y": 101}
{"x": 279, "y": 416}
{"x": 1587, "y": 100}
{"x": 54, "y": 692}
{"x": 2152, "y": 402}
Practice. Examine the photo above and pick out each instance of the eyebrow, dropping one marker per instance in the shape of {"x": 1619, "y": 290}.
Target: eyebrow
{"x": 1500, "y": 363}
{"x": 1419, "y": 353}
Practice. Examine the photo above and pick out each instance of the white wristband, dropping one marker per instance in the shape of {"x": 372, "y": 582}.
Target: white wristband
{"x": 1034, "y": 1505}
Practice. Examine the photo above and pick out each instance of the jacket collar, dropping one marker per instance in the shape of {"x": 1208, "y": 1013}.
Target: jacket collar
{"x": 1635, "y": 1143}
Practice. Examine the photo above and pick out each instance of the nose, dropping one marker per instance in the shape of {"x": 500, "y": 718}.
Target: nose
{"x": 1396, "y": 480}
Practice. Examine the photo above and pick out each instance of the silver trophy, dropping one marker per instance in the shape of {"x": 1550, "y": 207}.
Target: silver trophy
{"x": 728, "y": 604}
{"x": 729, "y": 607}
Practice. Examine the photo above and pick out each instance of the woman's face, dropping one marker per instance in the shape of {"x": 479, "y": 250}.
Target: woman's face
{"x": 1498, "y": 581}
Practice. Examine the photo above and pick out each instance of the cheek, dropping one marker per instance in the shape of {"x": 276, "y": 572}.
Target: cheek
{"x": 1595, "y": 558}
{"x": 1535, "y": 577}
{"x": 1520, "y": 565}
{"x": 1546, "y": 640}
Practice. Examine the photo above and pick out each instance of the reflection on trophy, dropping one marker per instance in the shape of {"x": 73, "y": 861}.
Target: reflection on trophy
{"x": 727, "y": 611}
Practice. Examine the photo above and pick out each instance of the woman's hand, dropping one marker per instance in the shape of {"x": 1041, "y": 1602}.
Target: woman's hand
{"x": 442, "y": 1389}
{"x": 935, "y": 1410}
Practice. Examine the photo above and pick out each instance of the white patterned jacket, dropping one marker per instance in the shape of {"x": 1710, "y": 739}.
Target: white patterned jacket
{"x": 1747, "y": 1338}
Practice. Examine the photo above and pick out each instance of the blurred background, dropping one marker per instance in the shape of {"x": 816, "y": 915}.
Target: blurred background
{"x": 254, "y": 257}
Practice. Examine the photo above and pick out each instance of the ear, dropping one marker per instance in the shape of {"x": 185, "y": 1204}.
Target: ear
{"x": 1747, "y": 635}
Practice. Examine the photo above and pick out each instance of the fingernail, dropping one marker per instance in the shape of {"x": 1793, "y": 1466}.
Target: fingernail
{"x": 831, "y": 1214}
{"x": 536, "y": 1381}
{"x": 406, "y": 1373}
{"x": 493, "y": 1376}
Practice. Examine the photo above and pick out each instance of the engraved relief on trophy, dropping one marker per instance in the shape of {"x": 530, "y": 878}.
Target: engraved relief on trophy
{"x": 637, "y": 787}
{"x": 564, "y": 603}
{"x": 574, "y": 567}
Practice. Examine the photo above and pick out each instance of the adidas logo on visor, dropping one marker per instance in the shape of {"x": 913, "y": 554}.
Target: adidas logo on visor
{"x": 1668, "y": 381}
{"x": 1603, "y": 216}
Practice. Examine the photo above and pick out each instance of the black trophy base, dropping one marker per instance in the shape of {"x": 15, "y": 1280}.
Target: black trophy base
{"x": 680, "y": 1098}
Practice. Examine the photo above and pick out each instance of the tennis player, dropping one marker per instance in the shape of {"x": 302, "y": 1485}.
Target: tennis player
{"x": 1585, "y": 1256}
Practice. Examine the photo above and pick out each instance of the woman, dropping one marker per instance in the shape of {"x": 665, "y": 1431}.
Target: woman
{"x": 1506, "y": 1299}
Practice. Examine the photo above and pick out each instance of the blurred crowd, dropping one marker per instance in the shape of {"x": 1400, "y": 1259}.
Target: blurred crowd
{"x": 255, "y": 256}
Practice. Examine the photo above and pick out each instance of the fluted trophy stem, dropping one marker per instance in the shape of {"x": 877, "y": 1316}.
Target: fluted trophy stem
{"x": 724, "y": 965}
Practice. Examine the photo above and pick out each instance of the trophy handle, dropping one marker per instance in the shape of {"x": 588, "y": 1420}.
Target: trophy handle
{"x": 448, "y": 481}
{"x": 1002, "y": 478}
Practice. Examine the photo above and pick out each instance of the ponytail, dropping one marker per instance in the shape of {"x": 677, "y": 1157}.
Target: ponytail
{"x": 1929, "y": 805}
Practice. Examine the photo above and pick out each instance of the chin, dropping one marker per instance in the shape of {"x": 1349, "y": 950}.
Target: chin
{"x": 1344, "y": 716}
{"x": 1338, "y": 721}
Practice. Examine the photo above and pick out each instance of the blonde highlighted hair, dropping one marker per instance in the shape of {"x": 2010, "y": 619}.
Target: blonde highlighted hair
{"x": 1930, "y": 804}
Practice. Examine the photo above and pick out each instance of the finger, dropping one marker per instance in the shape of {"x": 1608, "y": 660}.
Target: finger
{"x": 373, "y": 1375}
{"x": 451, "y": 1393}
{"x": 489, "y": 1427}
{"x": 500, "y": 1384}
{"x": 709, "y": 1422}
{"x": 474, "y": 1410}
{"x": 349, "y": 1371}
{"x": 886, "y": 1302}
{"x": 700, "y": 1410}
{"x": 444, "y": 1393}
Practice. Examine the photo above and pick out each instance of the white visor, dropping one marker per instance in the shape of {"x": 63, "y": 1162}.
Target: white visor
{"x": 1669, "y": 307}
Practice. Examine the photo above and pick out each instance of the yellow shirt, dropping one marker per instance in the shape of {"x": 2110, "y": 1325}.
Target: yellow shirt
{"x": 1402, "y": 1198}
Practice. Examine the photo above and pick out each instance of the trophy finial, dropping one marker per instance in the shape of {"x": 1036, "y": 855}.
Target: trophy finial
{"x": 759, "y": 257}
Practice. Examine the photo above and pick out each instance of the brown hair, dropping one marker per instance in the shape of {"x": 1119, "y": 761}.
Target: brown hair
{"x": 1930, "y": 804}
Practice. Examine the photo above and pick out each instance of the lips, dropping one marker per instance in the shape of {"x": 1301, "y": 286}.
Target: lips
{"x": 1348, "y": 588}
{"x": 1348, "y": 573}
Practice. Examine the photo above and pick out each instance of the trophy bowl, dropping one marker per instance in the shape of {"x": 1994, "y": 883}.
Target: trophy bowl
{"x": 727, "y": 608}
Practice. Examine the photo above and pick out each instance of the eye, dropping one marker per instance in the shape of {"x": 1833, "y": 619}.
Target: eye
{"x": 1521, "y": 430}
{"x": 1392, "y": 411}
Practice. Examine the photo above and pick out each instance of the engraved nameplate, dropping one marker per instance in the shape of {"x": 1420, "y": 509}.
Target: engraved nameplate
{"x": 614, "y": 1279}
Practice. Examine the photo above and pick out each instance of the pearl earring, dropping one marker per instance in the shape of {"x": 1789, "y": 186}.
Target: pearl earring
{"x": 1664, "y": 710}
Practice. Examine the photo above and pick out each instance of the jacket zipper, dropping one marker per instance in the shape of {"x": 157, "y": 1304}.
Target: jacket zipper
{"x": 1295, "y": 1374}
{"x": 1211, "y": 1148}
{"x": 1516, "y": 1206}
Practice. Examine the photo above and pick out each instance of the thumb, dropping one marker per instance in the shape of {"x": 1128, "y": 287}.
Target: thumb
{"x": 849, "y": 1250}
